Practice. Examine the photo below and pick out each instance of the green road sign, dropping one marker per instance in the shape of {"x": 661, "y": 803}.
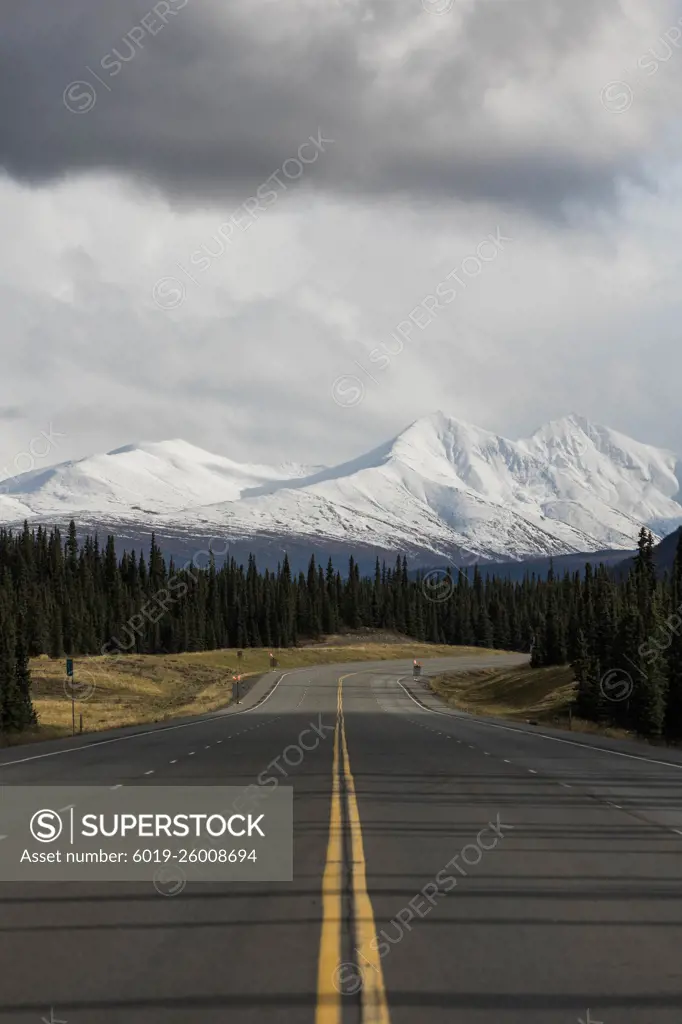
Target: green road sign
{"x": 69, "y": 666}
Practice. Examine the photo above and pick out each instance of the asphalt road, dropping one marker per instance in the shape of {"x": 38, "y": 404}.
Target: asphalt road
{"x": 446, "y": 869}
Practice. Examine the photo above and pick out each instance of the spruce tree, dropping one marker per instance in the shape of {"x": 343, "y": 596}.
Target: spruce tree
{"x": 650, "y": 684}
{"x": 589, "y": 699}
{"x": 673, "y": 711}
{"x": 9, "y": 696}
{"x": 25, "y": 714}
{"x": 484, "y": 627}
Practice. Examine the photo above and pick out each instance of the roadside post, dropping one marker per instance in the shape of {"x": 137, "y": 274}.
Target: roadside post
{"x": 69, "y": 673}
{"x": 273, "y": 661}
{"x": 416, "y": 669}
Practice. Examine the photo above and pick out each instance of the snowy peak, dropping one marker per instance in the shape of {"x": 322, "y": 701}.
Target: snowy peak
{"x": 606, "y": 462}
{"x": 567, "y": 457}
{"x": 156, "y": 478}
{"x": 572, "y": 434}
{"x": 448, "y": 452}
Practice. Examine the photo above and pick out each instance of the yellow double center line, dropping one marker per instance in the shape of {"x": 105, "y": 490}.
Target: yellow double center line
{"x": 373, "y": 992}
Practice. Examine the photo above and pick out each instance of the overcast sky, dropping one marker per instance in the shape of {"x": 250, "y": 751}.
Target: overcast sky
{"x": 216, "y": 213}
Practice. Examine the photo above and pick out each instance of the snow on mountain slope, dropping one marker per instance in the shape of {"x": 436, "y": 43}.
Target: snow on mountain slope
{"x": 168, "y": 477}
{"x": 440, "y": 487}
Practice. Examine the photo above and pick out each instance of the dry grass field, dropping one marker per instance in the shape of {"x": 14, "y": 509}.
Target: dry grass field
{"x": 541, "y": 695}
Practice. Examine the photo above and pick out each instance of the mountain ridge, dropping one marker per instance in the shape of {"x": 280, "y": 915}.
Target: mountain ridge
{"x": 441, "y": 487}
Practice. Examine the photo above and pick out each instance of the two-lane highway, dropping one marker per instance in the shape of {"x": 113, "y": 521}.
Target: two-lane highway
{"x": 445, "y": 868}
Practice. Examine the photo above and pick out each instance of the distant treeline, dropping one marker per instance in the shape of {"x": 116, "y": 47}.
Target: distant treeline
{"x": 61, "y": 597}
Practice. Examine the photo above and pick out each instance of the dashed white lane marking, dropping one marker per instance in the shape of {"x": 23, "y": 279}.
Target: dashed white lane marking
{"x": 542, "y": 735}
{"x": 677, "y": 831}
{"x": 119, "y": 785}
{"x": 2, "y": 837}
{"x": 532, "y": 771}
{"x": 147, "y": 732}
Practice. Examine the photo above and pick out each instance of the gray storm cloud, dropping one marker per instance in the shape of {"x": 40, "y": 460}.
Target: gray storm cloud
{"x": 490, "y": 100}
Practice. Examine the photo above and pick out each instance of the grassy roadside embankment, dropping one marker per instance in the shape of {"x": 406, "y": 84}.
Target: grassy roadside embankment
{"x": 137, "y": 689}
{"x": 538, "y": 695}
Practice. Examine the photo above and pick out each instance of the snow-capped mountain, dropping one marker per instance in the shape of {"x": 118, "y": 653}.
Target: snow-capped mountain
{"x": 168, "y": 478}
{"x": 440, "y": 488}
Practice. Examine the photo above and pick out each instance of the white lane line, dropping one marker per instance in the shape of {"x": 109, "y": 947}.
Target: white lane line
{"x": 541, "y": 735}
{"x": 119, "y": 785}
{"x": 506, "y": 761}
{"x": 220, "y": 741}
{"x": 208, "y": 747}
{"x": 175, "y": 761}
{"x": 147, "y": 732}
{"x": 611, "y": 804}
{"x": 150, "y": 773}
{"x": 191, "y": 753}
{"x": 565, "y": 785}
{"x": 677, "y": 831}
{"x": 486, "y": 753}
{"x": 2, "y": 837}
{"x": 532, "y": 771}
